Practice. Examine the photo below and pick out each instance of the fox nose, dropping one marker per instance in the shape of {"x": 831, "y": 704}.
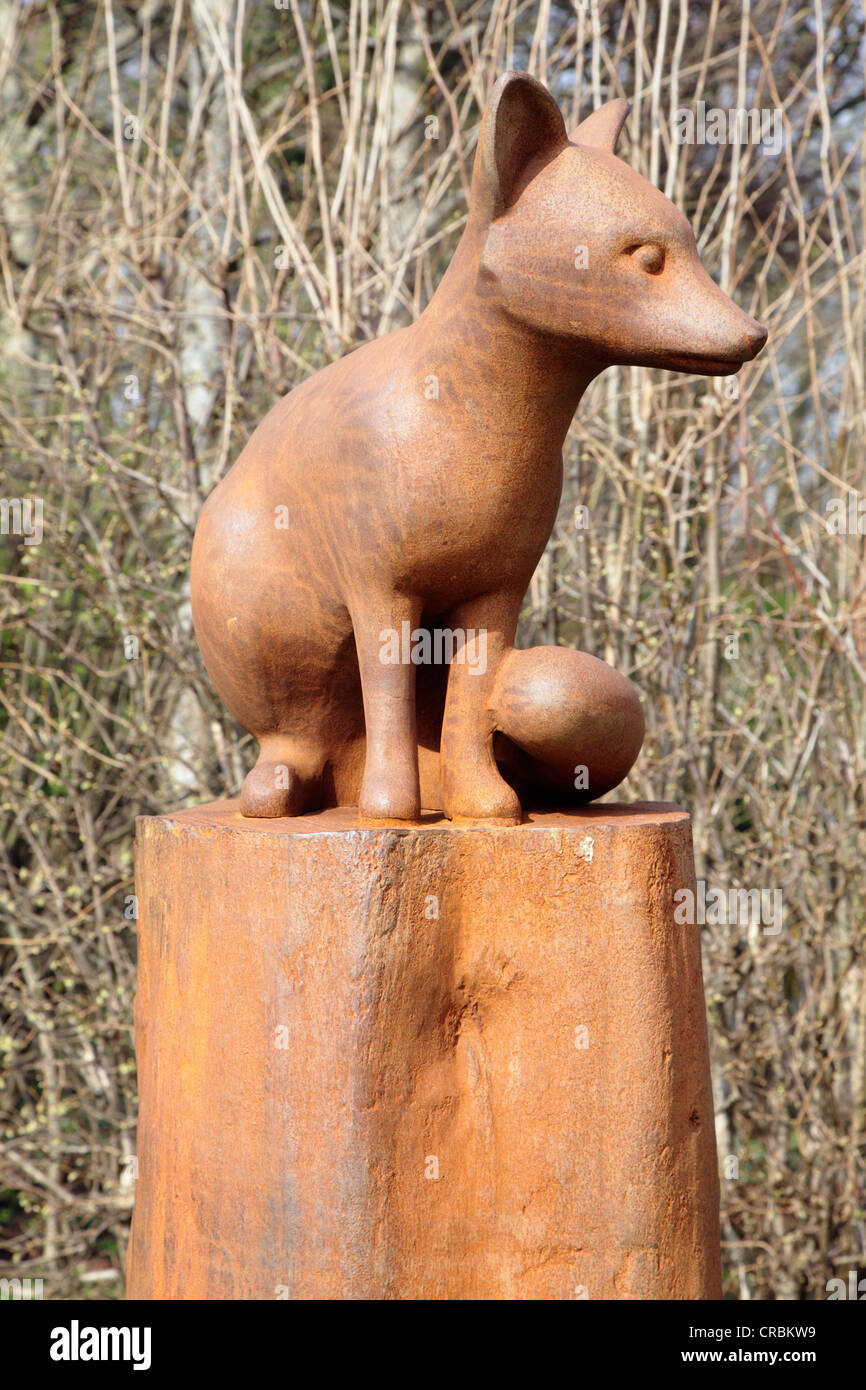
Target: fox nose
{"x": 756, "y": 336}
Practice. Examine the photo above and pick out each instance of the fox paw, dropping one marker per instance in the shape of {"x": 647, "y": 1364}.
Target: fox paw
{"x": 387, "y": 799}
{"x": 492, "y": 800}
{"x": 272, "y": 789}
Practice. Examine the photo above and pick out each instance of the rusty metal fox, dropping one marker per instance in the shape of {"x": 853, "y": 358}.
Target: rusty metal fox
{"x": 417, "y": 480}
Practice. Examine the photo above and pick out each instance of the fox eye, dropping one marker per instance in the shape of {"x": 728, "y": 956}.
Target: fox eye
{"x": 650, "y": 258}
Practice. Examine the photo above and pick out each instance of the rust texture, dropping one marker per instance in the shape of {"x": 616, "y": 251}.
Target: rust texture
{"x": 434, "y": 1062}
{"x": 412, "y": 486}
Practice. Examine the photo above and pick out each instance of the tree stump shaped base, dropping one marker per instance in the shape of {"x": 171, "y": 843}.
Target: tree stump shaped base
{"x": 432, "y": 1062}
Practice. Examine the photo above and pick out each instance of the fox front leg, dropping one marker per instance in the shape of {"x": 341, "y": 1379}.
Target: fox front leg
{"x": 472, "y": 786}
{"x": 390, "y": 790}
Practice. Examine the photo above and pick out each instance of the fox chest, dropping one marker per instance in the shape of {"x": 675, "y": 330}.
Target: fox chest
{"x": 475, "y": 520}
{"x": 427, "y": 498}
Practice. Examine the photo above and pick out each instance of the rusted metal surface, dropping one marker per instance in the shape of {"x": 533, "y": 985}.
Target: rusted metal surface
{"x": 412, "y": 486}
{"x": 421, "y": 1063}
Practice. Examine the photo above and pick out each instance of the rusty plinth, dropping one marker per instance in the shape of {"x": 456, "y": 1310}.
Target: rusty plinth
{"x": 437, "y": 1062}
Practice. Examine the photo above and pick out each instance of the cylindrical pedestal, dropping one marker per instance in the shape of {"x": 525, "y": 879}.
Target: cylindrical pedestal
{"x": 424, "y": 1063}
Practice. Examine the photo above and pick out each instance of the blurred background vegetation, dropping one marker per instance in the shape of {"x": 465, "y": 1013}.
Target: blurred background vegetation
{"x": 201, "y": 202}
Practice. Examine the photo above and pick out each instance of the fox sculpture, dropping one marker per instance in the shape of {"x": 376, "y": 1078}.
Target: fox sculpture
{"x": 357, "y": 575}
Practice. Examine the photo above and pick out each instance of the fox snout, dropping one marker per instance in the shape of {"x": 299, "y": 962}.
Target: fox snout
{"x": 755, "y": 335}
{"x": 714, "y": 336}
{"x": 700, "y": 329}
{"x": 745, "y": 342}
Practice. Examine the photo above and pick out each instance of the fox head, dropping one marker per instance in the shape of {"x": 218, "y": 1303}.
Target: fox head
{"x": 576, "y": 244}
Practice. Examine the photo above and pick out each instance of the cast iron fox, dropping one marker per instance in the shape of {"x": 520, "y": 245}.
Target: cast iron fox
{"x": 416, "y": 482}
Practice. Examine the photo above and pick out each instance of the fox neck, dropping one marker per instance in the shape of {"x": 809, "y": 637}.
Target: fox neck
{"x": 528, "y": 375}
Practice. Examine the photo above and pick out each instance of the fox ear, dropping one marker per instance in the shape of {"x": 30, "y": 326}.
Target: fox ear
{"x": 521, "y": 123}
{"x": 602, "y": 129}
